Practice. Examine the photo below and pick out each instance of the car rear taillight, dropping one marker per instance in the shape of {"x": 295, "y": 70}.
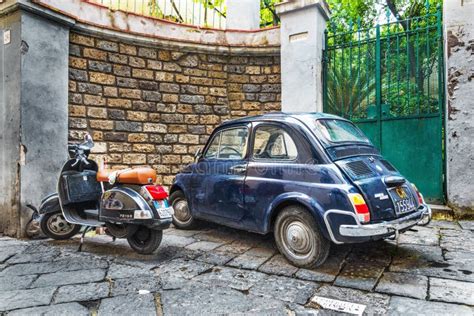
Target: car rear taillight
{"x": 421, "y": 200}
{"x": 157, "y": 192}
{"x": 360, "y": 207}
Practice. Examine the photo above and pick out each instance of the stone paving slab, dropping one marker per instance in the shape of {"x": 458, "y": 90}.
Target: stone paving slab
{"x": 69, "y": 277}
{"x": 216, "y": 258}
{"x": 7, "y": 253}
{"x": 278, "y": 265}
{"x": 360, "y": 274}
{"x": 237, "y": 247}
{"x": 403, "y": 284}
{"x": 451, "y": 291}
{"x": 15, "y": 282}
{"x": 132, "y": 304}
{"x": 247, "y": 262}
{"x": 285, "y": 289}
{"x": 82, "y": 292}
{"x": 120, "y": 271}
{"x": 404, "y": 306}
{"x": 134, "y": 285}
{"x": 177, "y": 241}
{"x": 430, "y": 270}
{"x": 198, "y": 299}
{"x": 34, "y": 257}
{"x": 25, "y": 298}
{"x": 444, "y": 225}
{"x": 236, "y": 279}
{"x": 421, "y": 236}
{"x": 70, "y": 309}
{"x": 203, "y": 245}
{"x": 468, "y": 225}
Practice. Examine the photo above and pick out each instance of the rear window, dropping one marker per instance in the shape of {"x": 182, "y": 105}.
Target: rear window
{"x": 337, "y": 131}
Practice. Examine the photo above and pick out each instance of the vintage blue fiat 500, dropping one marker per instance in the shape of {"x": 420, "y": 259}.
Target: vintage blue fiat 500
{"x": 310, "y": 178}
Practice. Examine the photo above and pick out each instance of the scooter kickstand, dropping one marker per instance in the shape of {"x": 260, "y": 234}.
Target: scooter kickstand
{"x": 82, "y": 238}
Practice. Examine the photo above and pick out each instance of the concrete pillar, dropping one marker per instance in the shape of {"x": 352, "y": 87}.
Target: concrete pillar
{"x": 459, "y": 39}
{"x": 243, "y": 15}
{"x": 302, "y": 40}
{"x": 34, "y": 110}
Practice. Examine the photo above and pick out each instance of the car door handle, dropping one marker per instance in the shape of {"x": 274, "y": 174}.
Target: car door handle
{"x": 238, "y": 169}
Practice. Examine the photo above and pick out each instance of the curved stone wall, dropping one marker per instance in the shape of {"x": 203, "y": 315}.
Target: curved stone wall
{"x": 149, "y": 100}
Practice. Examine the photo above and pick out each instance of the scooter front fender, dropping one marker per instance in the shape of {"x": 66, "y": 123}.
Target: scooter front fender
{"x": 50, "y": 204}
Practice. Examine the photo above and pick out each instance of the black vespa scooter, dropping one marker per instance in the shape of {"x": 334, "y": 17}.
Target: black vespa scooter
{"x": 126, "y": 202}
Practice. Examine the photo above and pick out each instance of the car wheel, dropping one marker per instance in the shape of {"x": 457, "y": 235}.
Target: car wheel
{"x": 55, "y": 226}
{"x": 145, "y": 240}
{"x": 182, "y": 217}
{"x": 299, "y": 238}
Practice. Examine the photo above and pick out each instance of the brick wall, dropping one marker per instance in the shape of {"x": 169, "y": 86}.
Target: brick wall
{"x": 152, "y": 106}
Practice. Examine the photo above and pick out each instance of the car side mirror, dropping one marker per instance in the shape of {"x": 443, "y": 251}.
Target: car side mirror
{"x": 198, "y": 155}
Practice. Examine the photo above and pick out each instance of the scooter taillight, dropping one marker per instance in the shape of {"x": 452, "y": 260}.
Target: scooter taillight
{"x": 157, "y": 192}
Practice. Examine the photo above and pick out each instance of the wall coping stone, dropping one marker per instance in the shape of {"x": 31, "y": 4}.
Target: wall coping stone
{"x": 95, "y": 19}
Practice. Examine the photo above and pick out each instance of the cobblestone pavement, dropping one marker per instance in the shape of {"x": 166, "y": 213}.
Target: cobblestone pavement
{"x": 221, "y": 270}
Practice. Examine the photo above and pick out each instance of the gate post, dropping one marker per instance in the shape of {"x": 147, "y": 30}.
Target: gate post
{"x": 34, "y": 51}
{"x": 243, "y": 15}
{"x": 302, "y": 41}
{"x": 459, "y": 36}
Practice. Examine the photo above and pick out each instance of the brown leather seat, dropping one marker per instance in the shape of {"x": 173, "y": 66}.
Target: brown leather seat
{"x": 103, "y": 175}
{"x": 142, "y": 175}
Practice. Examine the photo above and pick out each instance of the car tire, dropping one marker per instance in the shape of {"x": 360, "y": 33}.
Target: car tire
{"x": 182, "y": 217}
{"x": 145, "y": 240}
{"x": 299, "y": 239}
{"x": 55, "y": 226}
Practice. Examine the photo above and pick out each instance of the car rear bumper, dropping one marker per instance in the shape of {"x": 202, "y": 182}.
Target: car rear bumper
{"x": 383, "y": 230}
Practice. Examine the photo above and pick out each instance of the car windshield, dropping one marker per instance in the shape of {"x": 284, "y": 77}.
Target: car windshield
{"x": 337, "y": 131}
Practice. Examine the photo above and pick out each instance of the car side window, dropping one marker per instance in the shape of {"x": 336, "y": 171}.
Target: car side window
{"x": 273, "y": 142}
{"x": 228, "y": 144}
{"x": 213, "y": 148}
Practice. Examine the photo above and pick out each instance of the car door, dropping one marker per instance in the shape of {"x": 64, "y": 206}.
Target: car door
{"x": 220, "y": 174}
{"x": 276, "y": 165}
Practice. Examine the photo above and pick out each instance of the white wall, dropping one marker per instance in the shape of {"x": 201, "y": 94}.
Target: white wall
{"x": 459, "y": 39}
{"x": 302, "y": 39}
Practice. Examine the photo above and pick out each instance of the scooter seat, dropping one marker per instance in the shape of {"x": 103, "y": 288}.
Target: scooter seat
{"x": 142, "y": 175}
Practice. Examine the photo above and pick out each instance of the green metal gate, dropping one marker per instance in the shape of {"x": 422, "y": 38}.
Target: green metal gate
{"x": 388, "y": 79}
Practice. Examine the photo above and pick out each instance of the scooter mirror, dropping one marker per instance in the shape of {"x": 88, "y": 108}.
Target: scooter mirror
{"x": 88, "y": 142}
{"x": 88, "y": 138}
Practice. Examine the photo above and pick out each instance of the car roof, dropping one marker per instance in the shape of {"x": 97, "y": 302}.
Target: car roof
{"x": 282, "y": 116}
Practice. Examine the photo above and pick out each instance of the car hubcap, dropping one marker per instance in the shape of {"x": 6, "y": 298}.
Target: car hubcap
{"x": 296, "y": 238}
{"x": 181, "y": 211}
{"x": 58, "y": 225}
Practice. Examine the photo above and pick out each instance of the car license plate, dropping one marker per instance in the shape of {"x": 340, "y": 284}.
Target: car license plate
{"x": 403, "y": 200}
{"x": 163, "y": 209}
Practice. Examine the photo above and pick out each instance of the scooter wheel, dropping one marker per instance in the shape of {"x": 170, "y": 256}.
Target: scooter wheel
{"x": 55, "y": 226}
{"x": 145, "y": 240}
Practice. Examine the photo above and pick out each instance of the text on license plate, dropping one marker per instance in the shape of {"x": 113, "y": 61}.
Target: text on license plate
{"x": 163, "y": 209}
{"x": 403, "y": 200}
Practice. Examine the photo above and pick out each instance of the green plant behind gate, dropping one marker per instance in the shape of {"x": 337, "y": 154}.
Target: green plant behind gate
{"x": 389, "y": 78}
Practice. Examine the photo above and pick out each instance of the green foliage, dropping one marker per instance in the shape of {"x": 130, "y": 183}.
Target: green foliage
{"x": 410, "y": 67}
{"x": 347, "y": 12}
{"x": 268, "y": 16}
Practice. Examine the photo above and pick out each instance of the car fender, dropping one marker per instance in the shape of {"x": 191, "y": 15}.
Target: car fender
{"x": 310, "y": 203}
{"x": 50, "y": 204}
{"x": 179, "y": 186}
